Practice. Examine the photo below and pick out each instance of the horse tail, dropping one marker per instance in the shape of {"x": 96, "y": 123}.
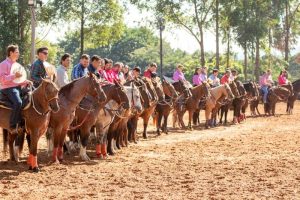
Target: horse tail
{"x": 21, "y": 139}
{"x": 5, "y": 134}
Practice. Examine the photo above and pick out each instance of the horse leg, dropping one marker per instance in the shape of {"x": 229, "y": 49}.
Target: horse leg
{"x": 158, "y": 125}
{"x": 146, "y": 120}
{"x": 11, "y": 140}
{"x": 207, "y": 116}
{"x": 18, "y": 146}
{"x": 109, "y": 145}
{"x": 221, "y": 116}
{"x": 32, "y": 159}
{"x": 226, "y": 114}
{"x": 60, "y": 150}
{"x": 165, "y": 125}
{"x": 190, "y": 119}
{"x": 174, "y": 118}
{"x": 84, "y": 138}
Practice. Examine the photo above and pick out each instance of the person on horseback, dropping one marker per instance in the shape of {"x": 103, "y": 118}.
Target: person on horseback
{"x": 282, "y": 78}
{"x": 62, "y": 70}
{"x": 136, "y": 72}
{"x": 107, "y": 72}
{"x": 213, "y": 78}
{"x": 12, "y": 89}
{"x": 126, "y": 73}
{"x": 266, "y": 82}
{"x": 38, "y": 71}
{"x": 178, "y": 74}
{"x": 95, "y": 65}
{"x": 151, "y": 71}
{"x": 200, "y": 76}
{"x": 80, "y": 69}
{"x": 226, "y": 76}
{"x": 233, "y": 75}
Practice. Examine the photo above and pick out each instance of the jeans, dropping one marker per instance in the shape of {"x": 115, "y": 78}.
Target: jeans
{"x": 265, "y": 93}
{"x": 13, "y": 94}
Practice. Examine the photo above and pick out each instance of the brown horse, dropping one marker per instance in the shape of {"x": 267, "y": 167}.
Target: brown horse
{"x": 255, "y": 101}
{"x": 252, "y": 94}
{"x": 191, "y": 104}
{"x": 293, "y": 97}
{"x": 217, "y": 95}
{"x": 43, "y": 100}
{"x": 147, "y": 101}
{"x": 164, "y": 108}
{"x": 118, "y": 131}
{"x": 69, "y": 98}
{"x": 275, "y": 95}
{"x": 87, "y": 113}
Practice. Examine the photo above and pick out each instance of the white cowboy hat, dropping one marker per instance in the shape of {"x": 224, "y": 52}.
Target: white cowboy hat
{"x": 16, "y": 67}
{"x": 50, "y": 69}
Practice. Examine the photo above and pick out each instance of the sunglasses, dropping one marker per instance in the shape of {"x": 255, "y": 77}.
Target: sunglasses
{"x": 45, "y": 53}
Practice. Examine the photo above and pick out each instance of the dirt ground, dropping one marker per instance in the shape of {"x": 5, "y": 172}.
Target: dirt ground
{"x": 258, "y": 159}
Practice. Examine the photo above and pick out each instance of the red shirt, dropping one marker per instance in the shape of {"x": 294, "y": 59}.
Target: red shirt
{"x": 147, "y": 73}
{"x": 224, "y": 79}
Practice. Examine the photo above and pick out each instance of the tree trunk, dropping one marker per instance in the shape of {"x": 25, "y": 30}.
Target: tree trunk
{"x": 257, "y": 59}
{"x": 81, "y": 28}
{"x": 270, "y": 49}
{"x": 202, "y": 56}
{"x": 228, "y": 48}
{"x": 287, "y": 31}
{"x": 245, "y": 62}
{"x": 217, "y": 36}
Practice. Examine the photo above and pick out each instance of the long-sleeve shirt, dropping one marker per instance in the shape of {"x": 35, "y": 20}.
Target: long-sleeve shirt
{"x": 282, "y": 79}
{"x": 62, "y": 76}
{"x": 37, "y": 72}
{"x": 92, "y": 70}
{"x": 147, "y": 73}
{"x": 265, "y": 80}
{"x": 178, "y": 75}
{"x": 215, "y": 81}
{"x": 6, "y": 78}
{"x": 79, "y": 71}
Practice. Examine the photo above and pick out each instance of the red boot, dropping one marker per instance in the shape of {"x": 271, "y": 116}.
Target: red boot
{"x": 103, "y": 151}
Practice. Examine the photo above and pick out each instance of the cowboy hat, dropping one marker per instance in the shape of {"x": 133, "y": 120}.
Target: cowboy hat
{"x": 16, "y": 67}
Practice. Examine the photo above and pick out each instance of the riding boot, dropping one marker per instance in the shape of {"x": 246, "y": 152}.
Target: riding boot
{"x": 98, "y": 150}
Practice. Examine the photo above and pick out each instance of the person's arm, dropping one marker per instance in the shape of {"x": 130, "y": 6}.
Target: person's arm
{"x": 5, "y": 76}
{"x": 75, "y": 73}
{"x": 60, "y": 78}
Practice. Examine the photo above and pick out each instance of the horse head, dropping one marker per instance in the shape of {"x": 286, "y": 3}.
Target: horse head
{"x": 95, "y": 89}
{"x": 234, "y": 88}
{"x": 145, "y": 94}
{"x": 228, "y": 91}
{"x": 169, "y": 89}
{"x": 158, "y": 88}
{"x": 50, "y": 91}
{"x": 120, "y": 95}
{"x": 135, "y": 98}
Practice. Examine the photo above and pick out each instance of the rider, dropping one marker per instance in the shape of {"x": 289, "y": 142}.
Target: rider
{"x": 282, "y": 78}
{"x": 213, "y": 78}
{"x": 107, "y": 70}
{"x": 178, "y": 74}
{"x": 233, "y": 75}
{"x": 38, "y": 71}
{"x": 196, "y": 77}
{"x": 62, "y": 70}
{"x": 95, "y": 65}
{"x": 226, "y": 76}
{"x": 266, "y": 82}
{"x": 151, "y": 71}
{"x": 11, "y": 89}
{"x": 80, "y": 69}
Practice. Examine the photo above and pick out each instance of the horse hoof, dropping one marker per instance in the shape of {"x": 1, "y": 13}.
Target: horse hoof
{"x": 29, "y": 168}
{"x": 36, "y": 170}
{"x": 85, "y": 158}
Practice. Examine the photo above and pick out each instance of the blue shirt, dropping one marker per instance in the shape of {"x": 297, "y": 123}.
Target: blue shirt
{"x": 79, "y": 71}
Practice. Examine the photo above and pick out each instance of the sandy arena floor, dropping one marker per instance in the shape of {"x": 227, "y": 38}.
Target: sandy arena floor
{"x": 258, "y": 159}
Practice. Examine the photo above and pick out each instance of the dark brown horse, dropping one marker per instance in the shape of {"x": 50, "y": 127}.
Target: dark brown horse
{"x": 191, "y": 104}
{"x": 87, "y": 113}
{"x": 294, "y": 97}
{"x": 275, "y": 95}
{"x": 118, "y": 131}
{"x": 252, "y": 94}
{"x": 69, "y": 98}
{"x": 255, "y": 101}
{"x": 164, "y": 108}
{"x": 43, "y": 100}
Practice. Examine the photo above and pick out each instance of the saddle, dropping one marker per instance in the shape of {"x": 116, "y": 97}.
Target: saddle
{"x": 25, "y": 96}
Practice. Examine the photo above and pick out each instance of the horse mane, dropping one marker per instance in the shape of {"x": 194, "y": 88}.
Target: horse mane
{"x": 67, "y": 88}
{"x": 296, "y": 82}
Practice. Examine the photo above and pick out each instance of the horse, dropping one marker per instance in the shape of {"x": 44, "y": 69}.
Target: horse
{"x": 69, "y": 98}
{"x": 147, "y": 101}
{"x": 181, "y": 87}
{"x": 238, "y": 103}
{"x": 118, "y": 128}
{"x": 191, "y": 104}
{"x": 275, "y": 95}
{"x": 252, "y": 94}
{"x": 255, "y": 102}
{"x": 224, "y": 106}
{"x": 164, "y": 108}
{"x": 87, "y": 113}
{"x": 43, "y": 100}
{"x": 217, "y": 95}
{"x": 293, "y": 97}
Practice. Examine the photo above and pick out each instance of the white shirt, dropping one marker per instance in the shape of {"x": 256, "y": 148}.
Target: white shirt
{"x": 62, "y": 76}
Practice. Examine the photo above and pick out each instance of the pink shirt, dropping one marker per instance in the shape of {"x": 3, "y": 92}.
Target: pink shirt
{"x": 6, "y": 79}
{"x": 178, "y": 75}
{"x": 265, "y": 80}
{"x": 282, "y": 79}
